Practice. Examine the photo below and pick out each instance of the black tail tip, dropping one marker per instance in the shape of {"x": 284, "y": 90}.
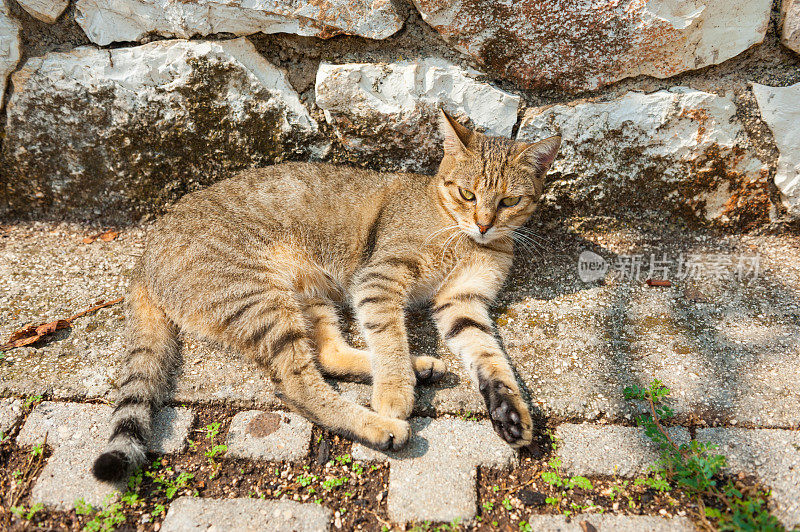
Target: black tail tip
{"x": 111, "y": 466}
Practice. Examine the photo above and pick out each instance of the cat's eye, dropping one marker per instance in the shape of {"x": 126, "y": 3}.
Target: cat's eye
{"x": 466, "y": 194}
{"x": 510, "y": 201}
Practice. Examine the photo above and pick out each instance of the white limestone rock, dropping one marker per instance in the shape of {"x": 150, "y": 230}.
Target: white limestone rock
{"x": 9, "y": 47}
{"x": 790, "y": 24}
{"x": 391, "y": 110}
{"x": 106, "y": 132}
{"x": 679, "y": 149}
{"x": 586, "y": 45}
{"x": 130, "y": 20}
{"x": 780, "y": 109}
{"x": 44, "y": 10}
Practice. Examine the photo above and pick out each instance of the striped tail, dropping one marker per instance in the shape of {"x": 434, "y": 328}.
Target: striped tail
{"x": 149, "y": 365}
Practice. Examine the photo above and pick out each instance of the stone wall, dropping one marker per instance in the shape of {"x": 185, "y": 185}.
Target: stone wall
{"x": 685, "y": 109}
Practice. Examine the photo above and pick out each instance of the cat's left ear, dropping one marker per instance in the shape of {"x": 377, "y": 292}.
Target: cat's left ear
{"x": 537, "y": 156}
{"x": 457, "y": 137}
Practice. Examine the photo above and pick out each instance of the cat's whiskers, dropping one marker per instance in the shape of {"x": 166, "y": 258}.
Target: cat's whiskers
{"x": 530, "y": 233}
{"x": 449, "y": 227}
{"x": 526, "y": 243}
{"x": 449, "y": 240}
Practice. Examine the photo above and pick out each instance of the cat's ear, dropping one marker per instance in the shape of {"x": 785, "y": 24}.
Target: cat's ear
{"x": 537, "y": 156}
{"x": 456, "y": 136}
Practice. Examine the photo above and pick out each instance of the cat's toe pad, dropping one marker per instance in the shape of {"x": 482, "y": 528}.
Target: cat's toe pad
{"x": 509, "y": 415}
{"x": 429, "y": 369}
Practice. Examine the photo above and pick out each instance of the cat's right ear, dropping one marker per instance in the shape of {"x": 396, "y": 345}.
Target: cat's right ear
{"x": 456, "y": 136}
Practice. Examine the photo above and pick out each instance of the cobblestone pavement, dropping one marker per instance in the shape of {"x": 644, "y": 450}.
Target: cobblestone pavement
{"x": 728, "y": 349}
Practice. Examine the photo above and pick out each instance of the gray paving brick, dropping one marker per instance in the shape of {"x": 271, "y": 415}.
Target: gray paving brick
{"x": 78, "y": 433}
{"x": 10, "y": 412}
{"x": 589, "y": 449}
{"x": 617, "y": 523}
{"x": 773, "y": 455}
{"x": 269, "y": 436}
{"x": 231, "y": 515}
{"x": 433, "y": 477}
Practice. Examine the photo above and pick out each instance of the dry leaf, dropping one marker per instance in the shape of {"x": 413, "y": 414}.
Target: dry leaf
{"x": 586, "y": 526}
{"x": 89, "y": 239}
{"x": 109, "y": 235}
{"x": 32, "y": 333}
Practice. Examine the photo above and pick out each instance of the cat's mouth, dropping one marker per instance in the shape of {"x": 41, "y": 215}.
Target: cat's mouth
{"x": 482, "y": 238}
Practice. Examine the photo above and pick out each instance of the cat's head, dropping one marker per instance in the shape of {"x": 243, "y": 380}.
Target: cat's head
{"x": 490, "y": 185}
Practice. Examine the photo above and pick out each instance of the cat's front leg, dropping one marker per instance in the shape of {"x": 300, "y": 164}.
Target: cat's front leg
{"x": 380, "y": 298}
{"x": 462, "y": 317}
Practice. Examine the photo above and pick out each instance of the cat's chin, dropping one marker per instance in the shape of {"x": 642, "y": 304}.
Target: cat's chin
{"x": 483, "y": 239}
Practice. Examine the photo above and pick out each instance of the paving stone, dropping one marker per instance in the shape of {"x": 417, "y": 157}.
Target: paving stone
{"x": 78, "y": 434}
{"x": 277, "y": 436}
{"x": 10, "y": 412}
{"x": 617, "y": 523}
{"x": 192, "y": 513}
{"x": 588, "y": 449}
{"x": 433, "y": 477}
{"x": 773, "y": 455}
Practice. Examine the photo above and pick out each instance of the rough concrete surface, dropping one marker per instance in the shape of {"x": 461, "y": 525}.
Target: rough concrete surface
{"x": 774, "y": 457}
{"x": 434, "y": 476}
{"x": 78, "y": 434}
{"x": 588, "y": 449}
{"x": 10, "y": 412}
{"x": 235, "y": 515}
{"x": 728, "y": 351}
{"x": 275, "y": 436}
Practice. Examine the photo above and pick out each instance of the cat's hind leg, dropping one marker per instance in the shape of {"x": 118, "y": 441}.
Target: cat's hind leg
{"x": 335, "y": 356}
{"x": 338, "y": 359}
{"x": 151, "y": 359}
{"x": 278, "y": 339}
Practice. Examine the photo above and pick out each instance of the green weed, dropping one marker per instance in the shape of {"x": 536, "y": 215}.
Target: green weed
{"x": 27, "y": 513}
{"x": 696, "y": 468}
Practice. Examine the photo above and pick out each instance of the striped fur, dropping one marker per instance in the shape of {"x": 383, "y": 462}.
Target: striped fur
{"x": 260, "y": 262}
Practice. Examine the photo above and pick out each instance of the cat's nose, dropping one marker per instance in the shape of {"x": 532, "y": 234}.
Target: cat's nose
{"x": 483, "y": 228}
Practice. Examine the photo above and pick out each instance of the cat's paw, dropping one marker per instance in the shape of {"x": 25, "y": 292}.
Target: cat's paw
{"x": 508, "y": 412}
{"x": 429, "y": 369}
{"x": 386, "y": 434}
{"x": 395, "y": 400}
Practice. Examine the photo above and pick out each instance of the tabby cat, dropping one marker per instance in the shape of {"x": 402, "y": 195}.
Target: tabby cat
{"x": 259, "y": 261}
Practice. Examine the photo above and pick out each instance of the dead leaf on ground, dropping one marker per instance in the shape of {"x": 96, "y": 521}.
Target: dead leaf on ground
{"x": 106, "y": 236}
{"x": 33, "y": 333}
{"x": 109, "y": 235}
{"x": 586, "y": 526}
